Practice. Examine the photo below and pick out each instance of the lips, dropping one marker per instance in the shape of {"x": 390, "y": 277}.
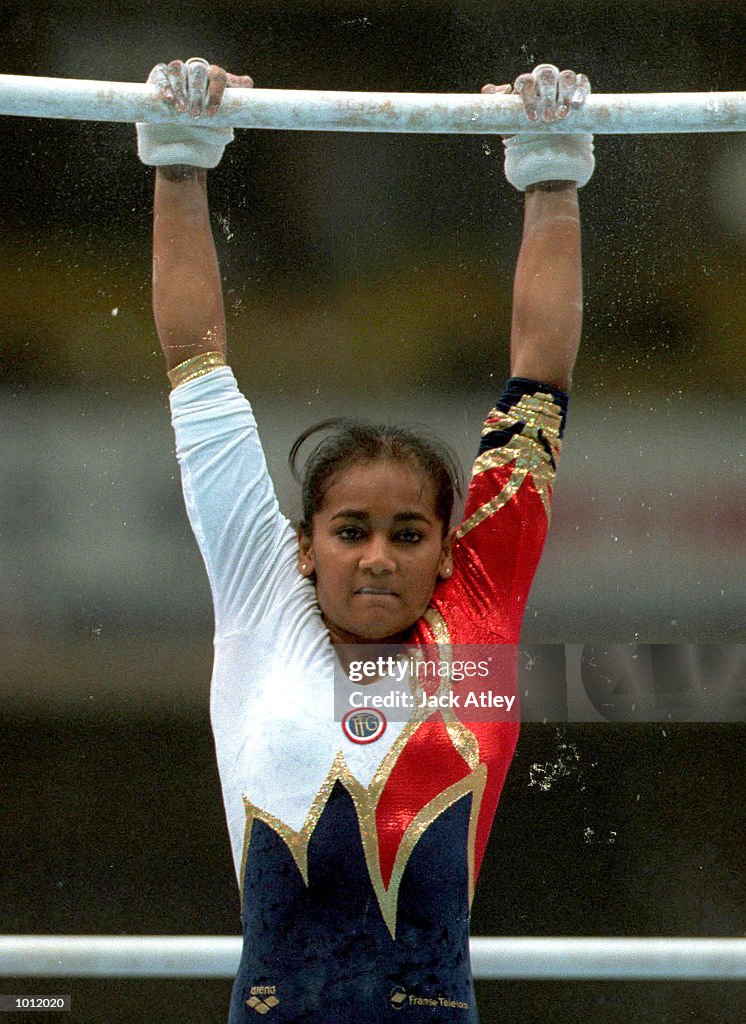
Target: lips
{"x": 376, "y": 591}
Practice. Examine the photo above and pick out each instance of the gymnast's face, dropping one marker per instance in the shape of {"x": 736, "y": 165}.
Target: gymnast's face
{"x": 377, "y": 549}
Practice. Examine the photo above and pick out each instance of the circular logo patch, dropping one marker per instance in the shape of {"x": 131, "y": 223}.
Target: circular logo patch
{"x": 364, "y": 725}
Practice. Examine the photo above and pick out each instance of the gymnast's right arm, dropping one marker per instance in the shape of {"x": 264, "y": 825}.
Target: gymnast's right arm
{"x": 187, "y": 292}
{"x": 243, "y": 538}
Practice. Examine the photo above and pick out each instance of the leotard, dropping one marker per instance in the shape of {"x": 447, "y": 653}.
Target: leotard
{"x": 356, "y": 861}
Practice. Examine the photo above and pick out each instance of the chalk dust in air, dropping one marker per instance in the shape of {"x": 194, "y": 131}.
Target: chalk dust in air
{"x": 566, "y": 765}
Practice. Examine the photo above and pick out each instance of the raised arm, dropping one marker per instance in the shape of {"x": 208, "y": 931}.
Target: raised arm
{"x": 246, "y": 544}
{"x": 548, "y": 288}
{"x": 187, "y": 291}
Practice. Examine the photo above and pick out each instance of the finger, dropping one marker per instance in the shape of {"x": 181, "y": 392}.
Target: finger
{"x": 582, "y": 91}
{"x": 489, "y": 89}
{"x": 215, "y": 88}
{"x": 565, "y": 92}
{"x": 240, "y": 82}
{"x": 547, "y": 78}
{"x": 177, "y": 78}
{"x": 159, "y": 78}
{"x": 198, "y": 72}
{"x": 525, "y": 86}
{"x": 221, "y": 80}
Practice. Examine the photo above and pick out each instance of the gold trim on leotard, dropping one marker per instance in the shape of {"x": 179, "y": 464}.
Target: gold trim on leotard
{"x": 462, "y": 737}
{"x": 365, "y": 800}
{"x": 542, "y": 418}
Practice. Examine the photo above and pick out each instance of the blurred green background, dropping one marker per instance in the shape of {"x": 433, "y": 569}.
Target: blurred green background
{"x": 368, "y": 274}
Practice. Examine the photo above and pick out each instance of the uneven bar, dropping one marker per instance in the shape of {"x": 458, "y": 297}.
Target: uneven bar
{"x": 308, "y": 110}
{"x": 204, "y": 956}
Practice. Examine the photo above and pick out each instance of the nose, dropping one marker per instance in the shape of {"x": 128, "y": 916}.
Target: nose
{"x": 377, "y": 557}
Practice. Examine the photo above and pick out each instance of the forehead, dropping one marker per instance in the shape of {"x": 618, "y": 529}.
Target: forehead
{"x": 383, "y": 487}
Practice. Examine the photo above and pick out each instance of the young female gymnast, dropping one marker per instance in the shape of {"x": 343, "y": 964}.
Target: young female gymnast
{"x": 357, "y": 853}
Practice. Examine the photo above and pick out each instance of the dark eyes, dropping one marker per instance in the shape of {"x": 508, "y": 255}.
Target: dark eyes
{"x": 351, "y": 534}
{"x": 409, "y": 536}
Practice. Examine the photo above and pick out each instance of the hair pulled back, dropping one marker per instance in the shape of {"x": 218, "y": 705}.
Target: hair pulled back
{"x": 351, "y": 441}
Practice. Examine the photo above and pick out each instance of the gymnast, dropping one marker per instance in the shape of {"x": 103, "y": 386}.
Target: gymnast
{"x": 357, "y": 854}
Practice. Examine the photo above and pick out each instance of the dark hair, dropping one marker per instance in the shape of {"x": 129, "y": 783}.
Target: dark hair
{"x": 352, "y": 441}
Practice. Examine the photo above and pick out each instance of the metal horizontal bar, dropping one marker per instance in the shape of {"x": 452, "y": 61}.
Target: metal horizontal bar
{"x": 308, "y": 110}
{"x": 79, "y": 956}
{"x": 609, "y": 958}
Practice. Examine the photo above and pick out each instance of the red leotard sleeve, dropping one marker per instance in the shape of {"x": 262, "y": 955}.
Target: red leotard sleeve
{"x": 497, "y": 551}
{"x": 501, "y": 536}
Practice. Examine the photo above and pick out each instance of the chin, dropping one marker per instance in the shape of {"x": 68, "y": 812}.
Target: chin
{"x": 369, "y": 628}
{"x": 391, "y": 632}
{"x": 368, "y": 632}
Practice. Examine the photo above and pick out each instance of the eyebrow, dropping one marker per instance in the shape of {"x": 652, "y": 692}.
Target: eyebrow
{"x": 399, "y": 517}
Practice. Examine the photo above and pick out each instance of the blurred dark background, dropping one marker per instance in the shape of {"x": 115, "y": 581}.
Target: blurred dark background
{"x": 367, "y": 273}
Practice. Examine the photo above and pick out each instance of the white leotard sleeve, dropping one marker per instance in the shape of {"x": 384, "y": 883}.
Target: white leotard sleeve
{"x": 248, "y": 546}
{"x": 273, "y": 663}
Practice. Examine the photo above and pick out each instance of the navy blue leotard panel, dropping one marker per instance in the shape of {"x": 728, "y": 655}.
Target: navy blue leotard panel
{"x": 322, "y": 952}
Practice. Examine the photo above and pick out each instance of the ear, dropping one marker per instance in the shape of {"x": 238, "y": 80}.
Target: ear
{"x": 306, "y": 565}
{"x": 445, "y": 566}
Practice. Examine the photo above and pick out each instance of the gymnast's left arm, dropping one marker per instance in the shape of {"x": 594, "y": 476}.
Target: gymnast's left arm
{"x": 500, "y": 539}
{"x": 549, "y": 168}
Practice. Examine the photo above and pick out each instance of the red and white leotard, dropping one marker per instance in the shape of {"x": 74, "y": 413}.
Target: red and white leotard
{"x": 363, "y": 857}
